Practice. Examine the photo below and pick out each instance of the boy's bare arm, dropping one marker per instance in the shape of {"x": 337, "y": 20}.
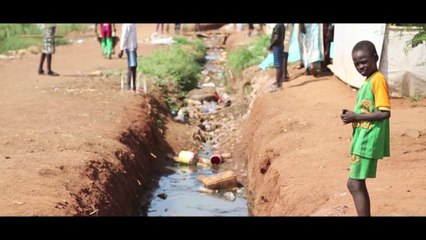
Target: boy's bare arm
{"x": 349, "y": 116}
{"x": 273, "y": 41}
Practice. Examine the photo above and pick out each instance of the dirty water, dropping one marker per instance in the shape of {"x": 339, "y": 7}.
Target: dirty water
{"x": 184, "y": 195}
{"x": 181, "y": 193}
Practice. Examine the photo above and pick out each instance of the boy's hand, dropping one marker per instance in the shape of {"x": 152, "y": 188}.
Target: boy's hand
{"x": 347, "y": 116}
{"x": 120, "y": 54}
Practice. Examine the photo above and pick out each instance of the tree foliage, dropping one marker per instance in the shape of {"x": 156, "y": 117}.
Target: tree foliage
{"x": 420, "y": 37}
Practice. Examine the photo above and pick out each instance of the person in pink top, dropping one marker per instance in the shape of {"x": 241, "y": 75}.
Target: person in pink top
{"x": 107, "y": 30}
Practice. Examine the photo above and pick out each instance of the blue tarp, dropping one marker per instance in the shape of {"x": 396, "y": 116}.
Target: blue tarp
{"x": 294, "y": 52}
{"x": 293, "y": 55}
{"x": 268, "y": 62}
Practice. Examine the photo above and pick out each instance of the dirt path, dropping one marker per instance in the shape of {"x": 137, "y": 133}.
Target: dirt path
{"x": 298, "y": 151}
{"x": 53, "y": 128}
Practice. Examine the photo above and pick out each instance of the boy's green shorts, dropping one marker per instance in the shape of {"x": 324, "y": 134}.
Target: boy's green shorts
{"x": 362, "y": 168}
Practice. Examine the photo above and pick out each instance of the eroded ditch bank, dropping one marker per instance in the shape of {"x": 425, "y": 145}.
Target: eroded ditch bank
{"x": 133, "y": 187}
{"x": 117, "y": 183}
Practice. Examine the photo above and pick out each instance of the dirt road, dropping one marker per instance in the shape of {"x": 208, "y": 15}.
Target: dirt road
{"x": 58, "y": 134}
{"x": 298, "y": 152}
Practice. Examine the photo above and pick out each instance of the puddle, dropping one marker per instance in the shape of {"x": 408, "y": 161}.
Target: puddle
{"x": 213, "y": 56}
{"x": 184, "y": 197}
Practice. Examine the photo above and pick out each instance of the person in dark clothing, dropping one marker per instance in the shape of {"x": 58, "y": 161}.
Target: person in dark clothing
{"x": 277, "y": 47}
{"x": 177, "y": 28}
{"x": 250, "y": 29}
{"x": 328, "y": 34}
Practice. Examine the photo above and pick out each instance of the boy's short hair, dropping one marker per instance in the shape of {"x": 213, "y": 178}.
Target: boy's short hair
{"x": 366, "y": 46}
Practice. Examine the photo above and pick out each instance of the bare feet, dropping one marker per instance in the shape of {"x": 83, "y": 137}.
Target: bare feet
{"x": 286, "y": 78}
{"x": 275, "y": 88}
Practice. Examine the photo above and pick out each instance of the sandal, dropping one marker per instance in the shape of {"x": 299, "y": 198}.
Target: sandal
{"x": 51, "y": 73}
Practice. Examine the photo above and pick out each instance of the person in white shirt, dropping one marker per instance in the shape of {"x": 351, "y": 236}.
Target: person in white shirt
{"x": 129, "y": 44}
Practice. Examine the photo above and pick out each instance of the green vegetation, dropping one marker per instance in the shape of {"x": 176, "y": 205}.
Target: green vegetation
{"x": 197, "y": 44}
{"x": 249, "y": 55}
{"x": 10, "y": 35}
{"x": 62, "y": 29}
{"x": 175, "y": 69}
{"x": 416, "y": 98}
{"x": 420, "y": 37}
{"x": 178, "y": 65}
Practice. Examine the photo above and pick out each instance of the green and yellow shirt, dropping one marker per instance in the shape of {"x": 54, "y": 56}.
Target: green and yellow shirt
{"x": 370, "y": 139}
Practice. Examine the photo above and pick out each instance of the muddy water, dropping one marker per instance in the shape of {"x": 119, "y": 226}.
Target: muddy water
{"x": 181, "y": 193}
{"x": 187, "y": 197}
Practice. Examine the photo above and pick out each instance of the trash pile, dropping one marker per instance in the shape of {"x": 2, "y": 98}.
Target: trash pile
{"x": 206, "y": 108}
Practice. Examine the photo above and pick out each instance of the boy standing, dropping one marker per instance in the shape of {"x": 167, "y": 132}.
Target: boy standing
{"x": 370, "y": 122}
{"x": 129, "y": 43}
{"x": 287, "y": 39}
{"x": 277, "y": 47}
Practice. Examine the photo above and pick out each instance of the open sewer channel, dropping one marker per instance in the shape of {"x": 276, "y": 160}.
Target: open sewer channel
{"x": 186, "y": 196}
{"x": 181, "y": 193}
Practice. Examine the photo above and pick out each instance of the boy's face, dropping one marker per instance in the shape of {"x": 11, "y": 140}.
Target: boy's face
{"x": 364, "y": 62}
